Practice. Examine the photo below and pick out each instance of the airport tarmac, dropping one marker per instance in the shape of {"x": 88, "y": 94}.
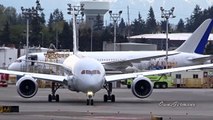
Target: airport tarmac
{"x": 170, "y": 104}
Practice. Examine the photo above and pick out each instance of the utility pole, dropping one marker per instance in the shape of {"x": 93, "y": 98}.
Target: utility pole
{"x": 115, "y": 17}
{"x": 30, "y": 13}
{"x": 91, "y": 39}
{"x": 128, "y": 34}
{"x": 167, "y": 14}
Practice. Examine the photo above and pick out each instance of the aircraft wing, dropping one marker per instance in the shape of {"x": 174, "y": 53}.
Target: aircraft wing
{"x": 54, "y": 78}
{"x": 118, "y": 77}
{"x": 128, "y": 62}
{"x": 50, "y": 63}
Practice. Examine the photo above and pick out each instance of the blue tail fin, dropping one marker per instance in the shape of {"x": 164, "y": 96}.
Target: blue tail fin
{"x": 197, "y": 41}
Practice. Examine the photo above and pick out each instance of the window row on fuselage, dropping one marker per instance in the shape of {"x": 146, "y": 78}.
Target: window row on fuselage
{"x": 90, "y": 72}
{"x": 109, "y": 59}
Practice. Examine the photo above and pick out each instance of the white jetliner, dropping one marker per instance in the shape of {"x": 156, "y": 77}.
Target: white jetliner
{"x": 87, "y": 75}
{"x": 189, "y": 53}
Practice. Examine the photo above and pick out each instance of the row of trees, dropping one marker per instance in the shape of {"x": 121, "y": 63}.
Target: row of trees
{"x": 59, "y": 32}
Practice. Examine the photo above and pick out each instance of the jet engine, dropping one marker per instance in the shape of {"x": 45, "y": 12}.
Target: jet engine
{"x": 142, "y": 87}
{"x": 27, "y": 86}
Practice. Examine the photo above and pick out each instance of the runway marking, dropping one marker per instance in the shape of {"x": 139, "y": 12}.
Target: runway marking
{"x": 118, "y": 118}
{"x": 87, "y": 117}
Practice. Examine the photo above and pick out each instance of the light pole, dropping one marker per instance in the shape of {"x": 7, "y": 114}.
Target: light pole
{"x": 75, "y": 11}
{"x": 91, "y": 34}
{"x": 115, "y": 17}
{"x": 30, "y": 13}
{"x": 42, "y": 35}
{"x": 167, "y": 14}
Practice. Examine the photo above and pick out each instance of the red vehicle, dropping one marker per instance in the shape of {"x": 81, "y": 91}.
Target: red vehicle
{"x": 4, "y": 76}
{"x": 3, "y": 83}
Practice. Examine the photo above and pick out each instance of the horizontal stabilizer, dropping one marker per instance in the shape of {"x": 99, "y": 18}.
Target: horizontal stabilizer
{"x": 201, "y": 59}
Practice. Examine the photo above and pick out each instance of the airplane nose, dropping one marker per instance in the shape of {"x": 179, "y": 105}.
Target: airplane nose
{"x": 14, "y": 66}
{"x": 91, "y": 84}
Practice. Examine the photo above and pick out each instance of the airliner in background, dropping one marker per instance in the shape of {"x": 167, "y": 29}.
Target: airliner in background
{"x": 87, "y": 75}
{"x": 189, "y": 53}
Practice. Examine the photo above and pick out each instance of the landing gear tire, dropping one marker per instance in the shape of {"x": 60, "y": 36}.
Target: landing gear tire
{"x": 157, "y": 85}
{"x": 112, "y": 98}
{"x": 52, "y": 96}
{"x": 90, "y": 102}
{"x": 49, "y": 98}
{"x": 57, "y": 98}
{"x": 164, "y": 85}
{"x": 109, "y": 95}
{"x": 105, "y": 98}
{"x": 90, "y": 98}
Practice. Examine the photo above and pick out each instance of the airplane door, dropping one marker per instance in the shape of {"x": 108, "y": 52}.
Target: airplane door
{"x": 34, "y": 58}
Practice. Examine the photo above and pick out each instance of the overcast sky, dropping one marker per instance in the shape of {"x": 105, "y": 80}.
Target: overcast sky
{"x": 183, "y": 8}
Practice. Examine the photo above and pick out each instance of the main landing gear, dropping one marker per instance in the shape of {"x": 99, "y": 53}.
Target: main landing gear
{"x": 109, "y": 95}
{"x": 52, "y": 96}
{"x": 90, "y": 99}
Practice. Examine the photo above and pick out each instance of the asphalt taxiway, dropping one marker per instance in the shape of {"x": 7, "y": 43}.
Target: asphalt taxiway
{"x": 170, "y": 104}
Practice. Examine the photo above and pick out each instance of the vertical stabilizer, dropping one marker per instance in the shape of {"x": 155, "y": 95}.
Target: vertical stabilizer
{"x": 197, "y": 41}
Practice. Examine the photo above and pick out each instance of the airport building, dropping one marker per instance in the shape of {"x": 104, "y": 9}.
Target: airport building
{"x": 94, "y": 8}
{"x": 175, "y": 39}
{"x": 129, "y": 47}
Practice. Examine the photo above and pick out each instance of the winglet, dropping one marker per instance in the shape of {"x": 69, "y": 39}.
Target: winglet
{"x": 197, "y": 41}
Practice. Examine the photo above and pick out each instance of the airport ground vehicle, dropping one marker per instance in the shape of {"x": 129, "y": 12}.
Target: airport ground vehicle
{"x": 159, "y": 81}
{"x": 3, "y": 80}
{"x": 3, "y": 83}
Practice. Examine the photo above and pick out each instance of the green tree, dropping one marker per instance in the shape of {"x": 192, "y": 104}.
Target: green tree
{"x": 122, "y": 28}
{"x": 35, "y": 37}
{"x": 50, "y": 23}
{"x": 84, "y": 42}
{"x": 55, "y": 25}
{"x": 66, "y": 37}
{"x": 180, "y": 26}
{"x": 17, "y": 35}
{"x": 107, "y": 35}
{"x": 138, "y": 26}
{"x": 98, "y": 41}
{"x": 42, "y": 18}
{"x": 10, "y": 14}
{"x": 151, "y": 25}
{"x": 195, "y": 19}
{"x": 58, "y": 16}
{"x": 98, "y": 24}
{"x": 5, "y": 36}
{"x": 163, "y": 26}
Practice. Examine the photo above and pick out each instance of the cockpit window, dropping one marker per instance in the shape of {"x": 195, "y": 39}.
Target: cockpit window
{"x": 90, "y": 72}
{"x": 18, "y": 60}
{"x": 83, "y": 72}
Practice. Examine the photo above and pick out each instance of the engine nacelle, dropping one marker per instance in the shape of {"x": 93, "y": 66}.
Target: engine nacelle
{"x": 27, "y": 86}
{"x": 142, "y": 87}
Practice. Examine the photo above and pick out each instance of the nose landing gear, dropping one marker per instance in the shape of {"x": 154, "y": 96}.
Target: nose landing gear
{"x": 90, "y": 98}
